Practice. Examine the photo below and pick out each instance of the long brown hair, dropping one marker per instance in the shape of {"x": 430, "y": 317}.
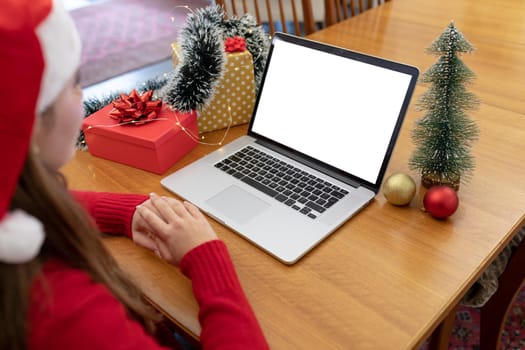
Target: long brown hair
{"x": 70, "y": 237}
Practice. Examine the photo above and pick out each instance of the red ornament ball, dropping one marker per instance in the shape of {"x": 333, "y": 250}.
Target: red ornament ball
{"x": 441, "y": 201}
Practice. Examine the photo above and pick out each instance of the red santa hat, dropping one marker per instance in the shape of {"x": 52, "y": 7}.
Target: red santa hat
{"x": 39, "y": 52}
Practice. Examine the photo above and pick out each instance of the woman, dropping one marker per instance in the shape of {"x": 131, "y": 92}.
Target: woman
{"x": 59, "y": 287}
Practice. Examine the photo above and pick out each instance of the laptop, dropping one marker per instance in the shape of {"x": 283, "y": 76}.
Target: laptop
{"x": 324, "y": 125}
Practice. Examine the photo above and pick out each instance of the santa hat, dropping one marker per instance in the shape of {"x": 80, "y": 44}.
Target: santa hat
{"x": 39, "y": 53}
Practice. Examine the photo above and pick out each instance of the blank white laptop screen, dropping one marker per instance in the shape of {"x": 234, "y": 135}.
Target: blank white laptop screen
{"x": 330, "y": 103}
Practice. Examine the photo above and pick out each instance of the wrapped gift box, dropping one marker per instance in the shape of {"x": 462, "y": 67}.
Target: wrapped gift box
{"x": 154, "y": 146}
{"x": 235, "y": 90}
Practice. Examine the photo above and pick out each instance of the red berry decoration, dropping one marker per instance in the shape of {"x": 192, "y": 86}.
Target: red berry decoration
{"x": 441, "y": 201}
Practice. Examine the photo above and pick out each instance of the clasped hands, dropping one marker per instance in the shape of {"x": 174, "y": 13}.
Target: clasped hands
{"x": 170, "y": 228}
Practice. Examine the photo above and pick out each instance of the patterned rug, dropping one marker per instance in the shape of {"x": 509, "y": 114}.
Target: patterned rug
{"x": 465, "y": 334}
{"x": 122, "y": 35}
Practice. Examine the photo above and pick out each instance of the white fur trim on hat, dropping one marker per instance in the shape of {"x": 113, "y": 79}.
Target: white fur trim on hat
{"x": 61, "y": 48}
{"x": 21, "y": 237}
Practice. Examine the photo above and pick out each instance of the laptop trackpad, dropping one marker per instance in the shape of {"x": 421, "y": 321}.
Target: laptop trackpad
{"x": 237, "y": 204}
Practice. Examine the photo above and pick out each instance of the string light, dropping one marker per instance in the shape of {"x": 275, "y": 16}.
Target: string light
{"x": 189, "y": 9}
{"x": 199, "y": 140}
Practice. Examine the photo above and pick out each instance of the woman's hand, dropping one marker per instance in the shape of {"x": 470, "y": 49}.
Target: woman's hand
{"x": 176, "y": 227}
{"x": 140, "y": 230}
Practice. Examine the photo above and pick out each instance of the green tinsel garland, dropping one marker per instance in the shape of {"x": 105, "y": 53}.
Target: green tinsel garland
{"x": 203, "y": 58}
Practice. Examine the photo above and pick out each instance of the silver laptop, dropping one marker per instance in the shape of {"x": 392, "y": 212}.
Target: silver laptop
{"x": 322, "y": 132}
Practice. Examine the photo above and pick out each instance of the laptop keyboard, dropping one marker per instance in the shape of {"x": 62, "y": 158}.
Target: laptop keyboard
{"x": 296, "y": 188}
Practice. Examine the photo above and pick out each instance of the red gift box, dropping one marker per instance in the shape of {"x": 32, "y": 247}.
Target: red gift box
{"x": 154, "y": 146}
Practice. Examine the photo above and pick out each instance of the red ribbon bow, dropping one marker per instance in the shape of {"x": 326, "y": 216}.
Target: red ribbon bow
{"x": 135, "y": 109}
{"x": 235, "y": 44}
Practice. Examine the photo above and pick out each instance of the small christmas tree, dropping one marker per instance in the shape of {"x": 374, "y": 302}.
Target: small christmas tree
{"x": 444, "y": 134}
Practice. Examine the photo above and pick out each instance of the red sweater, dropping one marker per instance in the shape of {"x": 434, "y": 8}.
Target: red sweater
{"x": 70, "y": 311}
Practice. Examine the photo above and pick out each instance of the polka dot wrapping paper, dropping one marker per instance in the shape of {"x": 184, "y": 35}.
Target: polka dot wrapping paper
{"x": 234, "y": 91}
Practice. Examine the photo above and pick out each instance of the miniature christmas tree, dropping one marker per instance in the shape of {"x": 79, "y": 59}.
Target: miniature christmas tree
{"x": 443, "y": 136}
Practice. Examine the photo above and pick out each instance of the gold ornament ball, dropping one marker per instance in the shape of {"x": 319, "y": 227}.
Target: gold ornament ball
{"x": 399, "y": 189}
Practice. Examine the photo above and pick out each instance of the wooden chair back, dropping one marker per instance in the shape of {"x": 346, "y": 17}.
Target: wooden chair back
{"x": 289, "y": 16}
{"x": 339, "y": 10}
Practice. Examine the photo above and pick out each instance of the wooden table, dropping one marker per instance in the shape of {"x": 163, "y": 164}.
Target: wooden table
{"x": 391, "y": 275}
